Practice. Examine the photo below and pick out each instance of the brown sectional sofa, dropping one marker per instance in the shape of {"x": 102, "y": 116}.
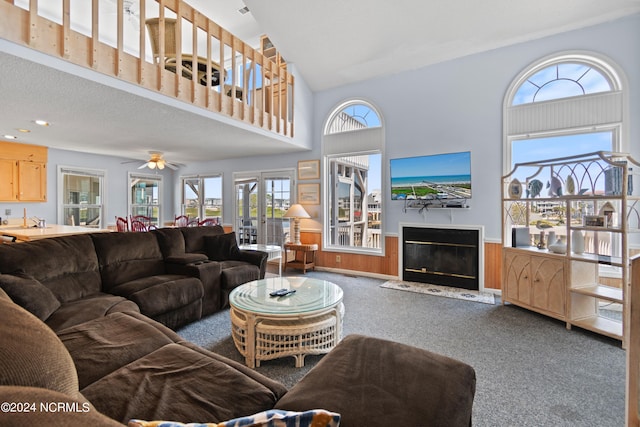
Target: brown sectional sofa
{"x": 117, "y": 367}
{"x": 81, "y": 277}
{"x": 80, "y": 332}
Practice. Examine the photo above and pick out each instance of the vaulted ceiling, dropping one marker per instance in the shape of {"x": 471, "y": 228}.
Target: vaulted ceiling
{"x": 331, "y": 42}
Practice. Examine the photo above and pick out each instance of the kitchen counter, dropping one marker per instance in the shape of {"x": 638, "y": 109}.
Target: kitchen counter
{"x": 51, "y": 230}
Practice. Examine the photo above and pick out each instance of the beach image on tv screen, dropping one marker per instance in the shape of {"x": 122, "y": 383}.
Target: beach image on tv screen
{"x": 439, "y": 176}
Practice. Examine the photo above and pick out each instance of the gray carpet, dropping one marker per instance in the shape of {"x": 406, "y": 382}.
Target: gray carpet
{"x": 531, "y": 370}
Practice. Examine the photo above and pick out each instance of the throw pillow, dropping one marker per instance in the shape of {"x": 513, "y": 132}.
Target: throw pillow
{"x": 30, "y": 294}
{"x": 222, "y": 247}
{"x": 270, "y": 418}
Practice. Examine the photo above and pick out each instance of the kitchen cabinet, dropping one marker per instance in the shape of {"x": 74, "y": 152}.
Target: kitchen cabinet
{"x": 8, "y": 180}
{"x": 23, "y": 172}
{"x": 32, "y": 181}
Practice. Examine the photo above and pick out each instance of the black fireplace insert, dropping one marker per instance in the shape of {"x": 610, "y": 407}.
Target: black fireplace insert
{"x": 441, "y": 256}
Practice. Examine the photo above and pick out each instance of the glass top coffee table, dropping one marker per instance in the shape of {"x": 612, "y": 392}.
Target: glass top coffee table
{"x": 308, "y": 321}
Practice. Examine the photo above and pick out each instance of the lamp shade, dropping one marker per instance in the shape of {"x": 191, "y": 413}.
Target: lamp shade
{"x": 296, "y": 211}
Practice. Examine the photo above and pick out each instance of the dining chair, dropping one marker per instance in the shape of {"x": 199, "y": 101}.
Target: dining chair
{"x": 122, "y": 224}
{"x": 208, "y": 222}
{"x": 138, "y": 226}
{"x": 181, "y": 221}
{"x": 142, "y": 218}
{"x": 193, "y": 222}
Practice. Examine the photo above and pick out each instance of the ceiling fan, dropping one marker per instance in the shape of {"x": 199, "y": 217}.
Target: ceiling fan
{"x": 156, "y": 161}
{"x": 130, "y": 12}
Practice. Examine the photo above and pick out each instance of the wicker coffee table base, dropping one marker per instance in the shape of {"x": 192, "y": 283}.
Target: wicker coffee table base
{"x": 259, "y": 337}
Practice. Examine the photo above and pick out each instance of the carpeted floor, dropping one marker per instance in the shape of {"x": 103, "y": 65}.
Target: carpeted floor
{"x": 531, "y": 370}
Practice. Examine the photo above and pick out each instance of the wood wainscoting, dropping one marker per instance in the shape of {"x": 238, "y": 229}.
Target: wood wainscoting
{"x": 388, "y": 264}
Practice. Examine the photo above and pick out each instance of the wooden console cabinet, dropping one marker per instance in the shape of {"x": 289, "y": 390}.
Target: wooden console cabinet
{"x": 535, "y": 281}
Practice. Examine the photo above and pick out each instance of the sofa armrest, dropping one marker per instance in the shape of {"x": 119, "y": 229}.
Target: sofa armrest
{"x": 209, "y": 273}
{"x": 186, "y": 258}
{"x": 257, "y": 258}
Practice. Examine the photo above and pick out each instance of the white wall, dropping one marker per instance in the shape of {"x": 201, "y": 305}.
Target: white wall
{"x": 457, "y": 106}
{"x": 453, "y": 106}
{"x": 116, "y": 187}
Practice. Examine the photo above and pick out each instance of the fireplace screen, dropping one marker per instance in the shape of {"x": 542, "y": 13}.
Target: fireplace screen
{"x": 441, "y": 256}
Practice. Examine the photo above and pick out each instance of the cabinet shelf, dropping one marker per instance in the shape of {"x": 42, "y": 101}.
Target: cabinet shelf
{"x": 590, "y": 195}
{"x": 601, "y": 325}
{"x": 598, "y": 259}
{"x": 601, "y": 291}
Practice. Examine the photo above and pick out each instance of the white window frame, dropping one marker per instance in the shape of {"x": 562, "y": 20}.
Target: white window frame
{"x": 605, "y": 111}
{"x": 351, "y": 142}
{"x": 72, "y": 170}
{"x": 201, "y": 201}
{"x": 155, "y": 177}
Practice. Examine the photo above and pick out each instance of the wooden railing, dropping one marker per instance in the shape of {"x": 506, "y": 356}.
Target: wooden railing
{"x": 110, "y": 37}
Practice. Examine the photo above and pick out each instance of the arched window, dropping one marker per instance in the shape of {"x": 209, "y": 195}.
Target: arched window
{"x": 562, "y": 80}
{"x": 352, "y": 149}
{"x": 563, "y": 105}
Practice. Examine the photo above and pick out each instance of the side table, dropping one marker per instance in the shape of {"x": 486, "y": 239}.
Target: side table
{"x": 304, "y": 256}
{"x": 274, "y": 252}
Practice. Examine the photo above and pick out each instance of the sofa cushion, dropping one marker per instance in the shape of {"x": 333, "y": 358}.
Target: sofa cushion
{"x": 67, "y": 265}
{"x": 194, "y": 237}
{"x": 101, "y": 346}
{"x": 30, "y": 294}
{"x": 360, "y": 380}
{"x": 31, "y": 354}
{"x": 178, "y": 383}
{"x": 235, "y": 273}
{"x": 222, "y": 247}
{"x": 125, "y": 257}
{"x": 161, "y": 293}
{"x": 82, "y": 310}
{"x": 171, "y": 241}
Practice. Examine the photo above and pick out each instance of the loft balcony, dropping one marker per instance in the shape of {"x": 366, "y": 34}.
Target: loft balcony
{"x": 154, "y": 49}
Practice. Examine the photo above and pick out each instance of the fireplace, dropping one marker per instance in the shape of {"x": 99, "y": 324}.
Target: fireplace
{"x": 442, "y": 255}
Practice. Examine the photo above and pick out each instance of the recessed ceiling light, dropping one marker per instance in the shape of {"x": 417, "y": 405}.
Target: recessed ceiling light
{"x": 23, "y": 130}
{"x": 42, "y": 122}
{"x": 10, "y": 136}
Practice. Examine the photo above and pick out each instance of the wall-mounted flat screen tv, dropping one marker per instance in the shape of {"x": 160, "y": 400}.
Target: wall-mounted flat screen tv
{"x": 436, "y": 177}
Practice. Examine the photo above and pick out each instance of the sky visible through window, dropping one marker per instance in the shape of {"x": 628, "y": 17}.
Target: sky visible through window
{"x": 561, "y": 81}
{"x": 557, "y": 81}
{"x": 369, "y": 119}
{"x": 554, "y": 147}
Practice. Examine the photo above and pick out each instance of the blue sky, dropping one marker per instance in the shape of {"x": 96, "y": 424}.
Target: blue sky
{"x": 432, "y": 165}
{"x": 561, "y": 146}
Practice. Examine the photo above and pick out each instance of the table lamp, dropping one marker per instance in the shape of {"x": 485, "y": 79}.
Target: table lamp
{"x": 296, "y": 212}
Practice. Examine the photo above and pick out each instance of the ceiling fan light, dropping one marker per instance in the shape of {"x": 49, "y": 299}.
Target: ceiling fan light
{"x": 152, "y": 165}
{"x": 160, "y": 165}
